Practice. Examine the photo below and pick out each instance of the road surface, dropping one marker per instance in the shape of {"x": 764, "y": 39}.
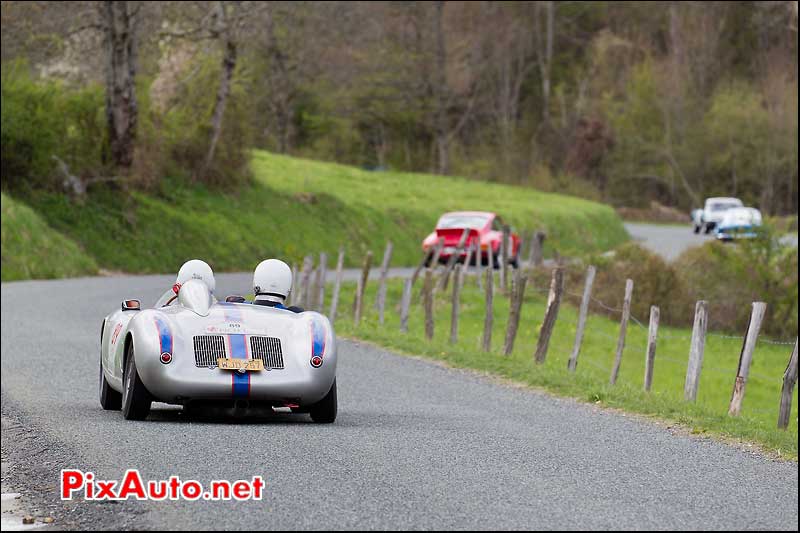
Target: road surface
{"x": 670, "y": 241}
{"x": 416, "y": 445}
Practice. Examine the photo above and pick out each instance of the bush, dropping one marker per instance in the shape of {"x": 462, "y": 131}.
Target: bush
{"x": 42, "y": 120}
{"x": 655, "y": 282}
{"x": 729, "y": 276}
{"x": 732, "y": 276}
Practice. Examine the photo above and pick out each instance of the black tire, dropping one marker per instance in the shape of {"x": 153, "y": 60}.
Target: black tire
{"x": 325, "y": 410}
{"x": 110, "y": 400}
{"x": 136, "y": 399}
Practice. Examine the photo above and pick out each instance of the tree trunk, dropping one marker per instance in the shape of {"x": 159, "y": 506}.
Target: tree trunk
{"x": 442, "y": 140}
{"x": 228, "y": 67}
{"x": 546, "y": 37}
{"x": 119, "y": 25}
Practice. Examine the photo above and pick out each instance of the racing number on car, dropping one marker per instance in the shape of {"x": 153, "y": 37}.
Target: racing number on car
{"x": 115, "y": 336}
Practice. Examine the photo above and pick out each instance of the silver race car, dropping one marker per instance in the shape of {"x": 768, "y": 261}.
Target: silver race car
{"x": 195, "y": 350}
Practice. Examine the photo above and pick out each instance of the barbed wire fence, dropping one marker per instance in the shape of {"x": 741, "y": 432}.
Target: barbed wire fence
{"x": 513, "y": 287}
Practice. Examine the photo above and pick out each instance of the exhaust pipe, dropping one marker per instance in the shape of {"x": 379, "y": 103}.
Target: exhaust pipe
{"x": 242, "y": 404}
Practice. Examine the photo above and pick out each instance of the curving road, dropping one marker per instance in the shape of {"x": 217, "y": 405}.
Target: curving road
{"x": 416, "y": 445}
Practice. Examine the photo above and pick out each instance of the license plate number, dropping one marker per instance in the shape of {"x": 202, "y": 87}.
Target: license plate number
{"x": 240, "y": 364}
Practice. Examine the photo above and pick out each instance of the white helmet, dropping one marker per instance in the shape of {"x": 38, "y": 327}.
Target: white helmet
{"x": 197, "y": 269}
{"x": 272, "y": 277}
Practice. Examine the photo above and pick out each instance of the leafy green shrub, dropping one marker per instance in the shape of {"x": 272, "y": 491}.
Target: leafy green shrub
{"x": 44, "y": 120}
{"x": 183, "y": 131}
{"x": 732, "y": 276}
{"x": 655, "y": 282}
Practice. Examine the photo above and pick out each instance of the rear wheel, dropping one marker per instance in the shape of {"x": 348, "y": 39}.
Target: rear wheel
{"x": 110, "y": 400}
{"x": 325, "y": 410}
{"x": 136, "y": 399}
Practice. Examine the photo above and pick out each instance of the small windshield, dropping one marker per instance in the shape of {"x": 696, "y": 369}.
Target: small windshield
{"x": 722, "y": 207}
{"x": 168, "y": 294}
{"x": 462, "y": 221}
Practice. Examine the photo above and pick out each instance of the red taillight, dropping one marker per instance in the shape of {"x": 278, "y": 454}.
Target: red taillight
{"x": 166, "y": 358}
{"x": 316, "y": 361}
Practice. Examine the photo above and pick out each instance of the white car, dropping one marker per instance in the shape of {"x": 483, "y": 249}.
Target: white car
{"x": 711, "y": 215}
{"x": 196, "y": 350}
{"x": 739, "y": 223}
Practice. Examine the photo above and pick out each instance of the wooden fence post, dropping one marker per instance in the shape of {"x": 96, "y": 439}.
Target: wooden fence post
{"x": 787, "y": 390}
{"x": 479, "y": 263}
{"x": 437, "y": 252}
{"x": 293, "y": 294}
{"x": 536, "y": 255}
{"x": 623, "y": 330}
{"x": 488, "y": 320}
{"x": 492, "y": 260}
{"x": 746, "y": 356}
{"x": 456, "y": 303}
{"x": 322, "y": 272}
{"x": 380, "y": 301}
{"x": 305, "y": 281}
{"x": 387, "y": 258}
{"x": 550, "y": 315}
{"x": 516, "y": 310}
{"x": 652, "y": 337}
{"x": 587, "y": 294}
{"x": 362, "y": 286}
{"x": 336, "y": 286}
{"x": 696, "y": 351}
{"x": 427, "y": 299}
{"x": 467, "y": 260}
{"x": 505, "y": 256}
{"x": 453, "y": 260}
{"x": 405, "y": 304}
{"x": 427, "y": 258}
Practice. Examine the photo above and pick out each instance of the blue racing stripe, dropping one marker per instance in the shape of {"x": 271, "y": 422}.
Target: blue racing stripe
{"x": 241, "y": 381}
{"x": 318, "y": 338}
{"x": 164, "y": 334}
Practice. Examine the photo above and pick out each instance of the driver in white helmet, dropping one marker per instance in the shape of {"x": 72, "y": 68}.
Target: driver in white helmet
{"x": 194, "y": 269}
{"x": 272, "y": 283}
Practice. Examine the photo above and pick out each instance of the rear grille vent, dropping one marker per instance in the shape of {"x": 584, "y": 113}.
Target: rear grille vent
{"x": 207, "y": 349}
{"x": 268, "y": 349}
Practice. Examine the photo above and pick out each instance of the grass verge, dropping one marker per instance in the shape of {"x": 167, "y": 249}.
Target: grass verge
{"x": 590, "y": 383}
{"x": 31, "y": 249}
{"x": 295, "y": 206}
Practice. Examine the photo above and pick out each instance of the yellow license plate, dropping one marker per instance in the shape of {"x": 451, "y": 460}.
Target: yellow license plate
{"x": 240, "y": 364}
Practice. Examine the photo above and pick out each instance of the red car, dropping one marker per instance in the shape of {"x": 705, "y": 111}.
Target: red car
{"x": 484, "y": 227}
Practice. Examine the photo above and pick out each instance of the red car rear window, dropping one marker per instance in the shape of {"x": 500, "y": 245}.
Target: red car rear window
{"x": 462, "y": 221}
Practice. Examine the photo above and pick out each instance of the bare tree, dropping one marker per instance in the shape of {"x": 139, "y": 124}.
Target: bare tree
{"x": 225, "y": 21}
{"x": 545, "y": 35}
{"x": 119, "y": 23}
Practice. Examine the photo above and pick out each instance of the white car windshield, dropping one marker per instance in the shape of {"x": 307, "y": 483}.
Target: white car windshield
{"x": 723, "y": 206}
{"x": 462, "y": 221}
{"x": 168, "y": 294}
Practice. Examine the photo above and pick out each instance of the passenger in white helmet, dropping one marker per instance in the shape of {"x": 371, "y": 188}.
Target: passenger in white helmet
{"x": 193, "y": 269}
{"x": 272, "y": 283}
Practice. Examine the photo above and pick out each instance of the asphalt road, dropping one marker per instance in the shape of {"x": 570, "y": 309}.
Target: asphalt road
{"x": 415, "y": 446}
{"x": 670, "y": 241}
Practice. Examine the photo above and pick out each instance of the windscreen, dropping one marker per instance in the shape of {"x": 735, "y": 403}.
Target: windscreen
{"x": 462, "y": 221}
{"x": 723, "y": 206}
